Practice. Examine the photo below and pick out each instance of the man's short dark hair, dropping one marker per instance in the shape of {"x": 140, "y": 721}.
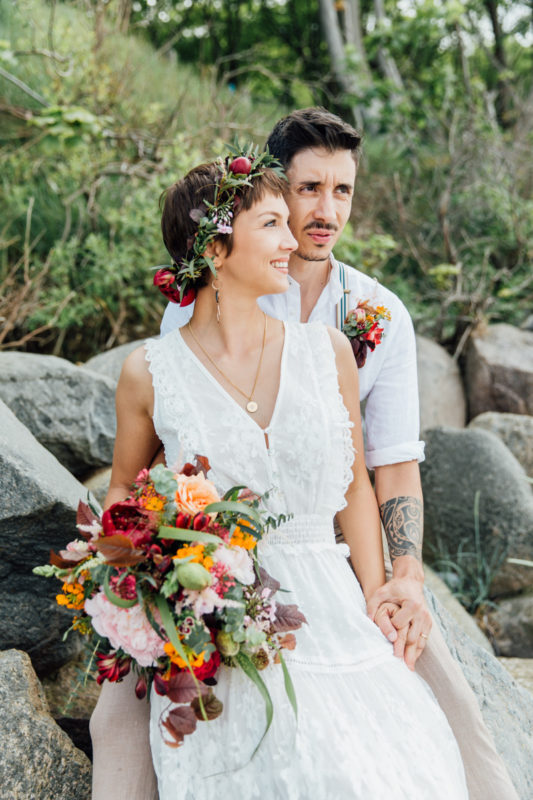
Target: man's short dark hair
{"x": 311, "y": 128}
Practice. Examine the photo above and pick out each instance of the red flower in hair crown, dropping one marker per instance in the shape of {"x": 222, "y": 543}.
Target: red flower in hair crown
{"x": 362, "y": 328}
{"x": 237, "y": 170}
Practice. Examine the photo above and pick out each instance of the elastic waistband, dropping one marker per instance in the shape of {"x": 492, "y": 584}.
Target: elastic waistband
{"x": 302, "y": 530}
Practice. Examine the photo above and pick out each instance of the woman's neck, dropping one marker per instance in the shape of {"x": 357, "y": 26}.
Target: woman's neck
{"x": 241, "y": 322}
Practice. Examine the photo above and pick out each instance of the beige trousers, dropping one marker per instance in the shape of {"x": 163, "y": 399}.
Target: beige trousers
{"x": 122, "y": 767}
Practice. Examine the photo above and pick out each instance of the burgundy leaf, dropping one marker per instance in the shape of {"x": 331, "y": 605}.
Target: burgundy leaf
{"x": 180, "y": 722}
{"x": 196, "y": 214}
{"x": 288, "y": 618}
{"x": 63, "y": 563}
{"x": 288, "y": 641}
{"x": 266, "y": 581}
{"x": 182, "y": 688}
{"x": 119, "y": 551}
{"x": 85, "y": 514}
{"x": 202, "y": 464}
{"x": 212, "y": 705}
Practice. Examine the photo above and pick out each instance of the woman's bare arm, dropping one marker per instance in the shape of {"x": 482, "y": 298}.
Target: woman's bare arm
{"x": 359, "y": 520}
{"x": 136, "y": 443}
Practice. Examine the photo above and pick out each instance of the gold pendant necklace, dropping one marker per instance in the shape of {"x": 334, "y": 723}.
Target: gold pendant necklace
{"x": 251, "y": 405}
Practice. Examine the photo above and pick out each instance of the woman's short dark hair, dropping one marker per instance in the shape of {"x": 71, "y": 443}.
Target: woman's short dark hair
{"x": 190, "y": 192}
{"x": 311, "y": 128}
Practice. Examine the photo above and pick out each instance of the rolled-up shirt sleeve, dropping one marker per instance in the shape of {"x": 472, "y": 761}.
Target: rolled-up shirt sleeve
{"x": 392, "y": 413}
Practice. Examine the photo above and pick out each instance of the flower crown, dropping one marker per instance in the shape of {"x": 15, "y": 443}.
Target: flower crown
{"x": 237, "y": 170}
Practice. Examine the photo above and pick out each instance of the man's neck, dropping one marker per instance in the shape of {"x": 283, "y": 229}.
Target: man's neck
{"x": 312, "y": 277}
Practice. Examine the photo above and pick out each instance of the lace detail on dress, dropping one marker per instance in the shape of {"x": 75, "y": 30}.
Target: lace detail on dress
{"x": 339, "y": 418}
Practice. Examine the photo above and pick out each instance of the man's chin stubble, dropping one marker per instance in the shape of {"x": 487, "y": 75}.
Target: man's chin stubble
{"x": 307, "y": 257}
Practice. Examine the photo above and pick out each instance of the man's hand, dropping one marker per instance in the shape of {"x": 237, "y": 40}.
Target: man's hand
{"x": 408, "y": 624}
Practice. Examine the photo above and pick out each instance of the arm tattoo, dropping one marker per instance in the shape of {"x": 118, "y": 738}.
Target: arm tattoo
{"x": 402, "y": 519}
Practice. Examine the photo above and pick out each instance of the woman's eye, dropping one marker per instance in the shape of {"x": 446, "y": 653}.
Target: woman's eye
{"x": 270, "y": 224}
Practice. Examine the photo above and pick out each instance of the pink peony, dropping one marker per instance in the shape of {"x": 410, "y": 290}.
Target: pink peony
{"x": 127, "y": 628}
{"x": 238, "y": 562}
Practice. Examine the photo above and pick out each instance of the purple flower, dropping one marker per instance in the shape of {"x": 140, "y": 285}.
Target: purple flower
{"x": 223, "y": 228}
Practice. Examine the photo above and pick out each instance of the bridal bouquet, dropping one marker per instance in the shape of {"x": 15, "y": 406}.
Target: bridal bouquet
{"x": 169, "y": 581}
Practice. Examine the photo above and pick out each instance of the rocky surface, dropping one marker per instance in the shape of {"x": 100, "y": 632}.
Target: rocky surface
{"x": 499, "y": 370}
{"x": 521, "y": 670}
{"x": 110, "y": 362}
{"x": 515, "y": 431}
{"x": 511, "y": 624}
{"x": 440, "y": 387}
{"x": 458, "y": 465}
{"x": 445, "y": 597}
{"x": 37, "y": 759}
{"x": 507, "y": 708}
{"x": 37, "y": 514}
{"x": 70, "y": 410}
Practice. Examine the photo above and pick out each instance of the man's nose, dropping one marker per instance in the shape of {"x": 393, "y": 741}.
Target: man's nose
{"x": 325, "y": 207}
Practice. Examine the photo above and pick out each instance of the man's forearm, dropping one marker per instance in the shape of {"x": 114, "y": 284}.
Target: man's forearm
{"x": 399, "y": 495}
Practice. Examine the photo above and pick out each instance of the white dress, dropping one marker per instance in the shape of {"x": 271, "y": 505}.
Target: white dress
{"x": 367, "y": 727}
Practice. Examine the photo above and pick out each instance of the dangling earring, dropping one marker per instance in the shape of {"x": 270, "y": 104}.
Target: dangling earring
{"x": 217, "y": 299}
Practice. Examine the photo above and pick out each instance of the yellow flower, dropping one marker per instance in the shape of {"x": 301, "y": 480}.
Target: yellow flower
{"x": 194, "y": 660}
{"x": 241, "y": 538}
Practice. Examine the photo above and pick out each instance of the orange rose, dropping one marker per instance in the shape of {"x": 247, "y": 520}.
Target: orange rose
{"x": 194, "y": 493}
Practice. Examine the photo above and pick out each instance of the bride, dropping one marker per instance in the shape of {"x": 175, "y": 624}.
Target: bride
{"x": 275, "y": 406}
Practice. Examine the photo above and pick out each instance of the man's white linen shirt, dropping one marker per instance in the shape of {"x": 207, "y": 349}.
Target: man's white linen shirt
{"x": 388, "y": 380}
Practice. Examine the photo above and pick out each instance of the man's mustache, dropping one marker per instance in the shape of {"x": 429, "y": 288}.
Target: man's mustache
{"x": 325, "y": 226}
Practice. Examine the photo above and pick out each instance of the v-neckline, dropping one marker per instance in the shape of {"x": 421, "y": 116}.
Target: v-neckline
{"x": 227, "y": 395}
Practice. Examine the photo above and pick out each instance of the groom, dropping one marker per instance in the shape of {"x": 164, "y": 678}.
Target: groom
{"x": 320, "y": 153}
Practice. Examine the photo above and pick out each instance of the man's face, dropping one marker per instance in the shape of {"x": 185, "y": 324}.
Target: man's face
{"x": 319, "y": 199}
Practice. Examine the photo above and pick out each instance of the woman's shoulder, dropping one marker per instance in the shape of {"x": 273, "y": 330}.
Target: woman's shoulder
{"x": 320, "y": 336}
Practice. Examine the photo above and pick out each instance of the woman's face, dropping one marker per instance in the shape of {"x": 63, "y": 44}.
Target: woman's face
{"x": 262, "y": 244}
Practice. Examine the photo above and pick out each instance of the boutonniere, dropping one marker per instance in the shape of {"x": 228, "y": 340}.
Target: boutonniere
{"x": 362, "y": 328}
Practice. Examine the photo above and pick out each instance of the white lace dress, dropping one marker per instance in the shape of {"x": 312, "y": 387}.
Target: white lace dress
{"x": 367, "y": 727}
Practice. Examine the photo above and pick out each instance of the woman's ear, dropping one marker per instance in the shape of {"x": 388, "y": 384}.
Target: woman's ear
{"x": 216, "y": 250}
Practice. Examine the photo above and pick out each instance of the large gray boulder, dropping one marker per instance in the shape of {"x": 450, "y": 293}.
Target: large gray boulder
{"x": 499, "y": 370}
{"x": 507, "y": 708}
{"x": 459, "y": 464}
{"x": 512, "y": 626}
{"x": 37, "y": 759}
{"x": 37, "y": 514}
{"x": 440, "y": 388}
{"x": 70, "y": 410}
{"x": 515, "y": 431}
{"x": 110, "y": 362}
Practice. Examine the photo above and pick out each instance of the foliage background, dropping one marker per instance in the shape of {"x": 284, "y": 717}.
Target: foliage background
{"x": 104, "y": 104}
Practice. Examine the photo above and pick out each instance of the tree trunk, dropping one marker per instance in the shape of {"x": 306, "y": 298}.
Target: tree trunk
{"x": 354, "y": 34}
{"x": 504, "y": 102}
{"x": 332, "y": 32}
{"x": 386, "y": 62}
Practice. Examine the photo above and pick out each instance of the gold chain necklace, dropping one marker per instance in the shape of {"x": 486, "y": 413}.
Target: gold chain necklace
{"x": 251, "y": 405}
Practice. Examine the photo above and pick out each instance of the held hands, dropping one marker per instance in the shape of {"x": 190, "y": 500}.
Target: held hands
{"x": 399, "y": 610}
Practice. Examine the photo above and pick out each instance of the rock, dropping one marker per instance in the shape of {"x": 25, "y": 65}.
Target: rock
{"x": 511, "y": 624}
{"x": 440, "y": 388}
{"x": 521, "y": 669}
{"x": 459, "y": 464}
{"x": 37, "y": 513}
{"x": 499, "y": 370}
{"x": 110, "y": 362}
{"x": 515, "y": 431}
{"x": 70, "y": 410}
{"x": 37, "y": 759}
{"x": 445, "y": 597}
{"x": 98, "y": 483}
{"x": 507, "y": 708}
